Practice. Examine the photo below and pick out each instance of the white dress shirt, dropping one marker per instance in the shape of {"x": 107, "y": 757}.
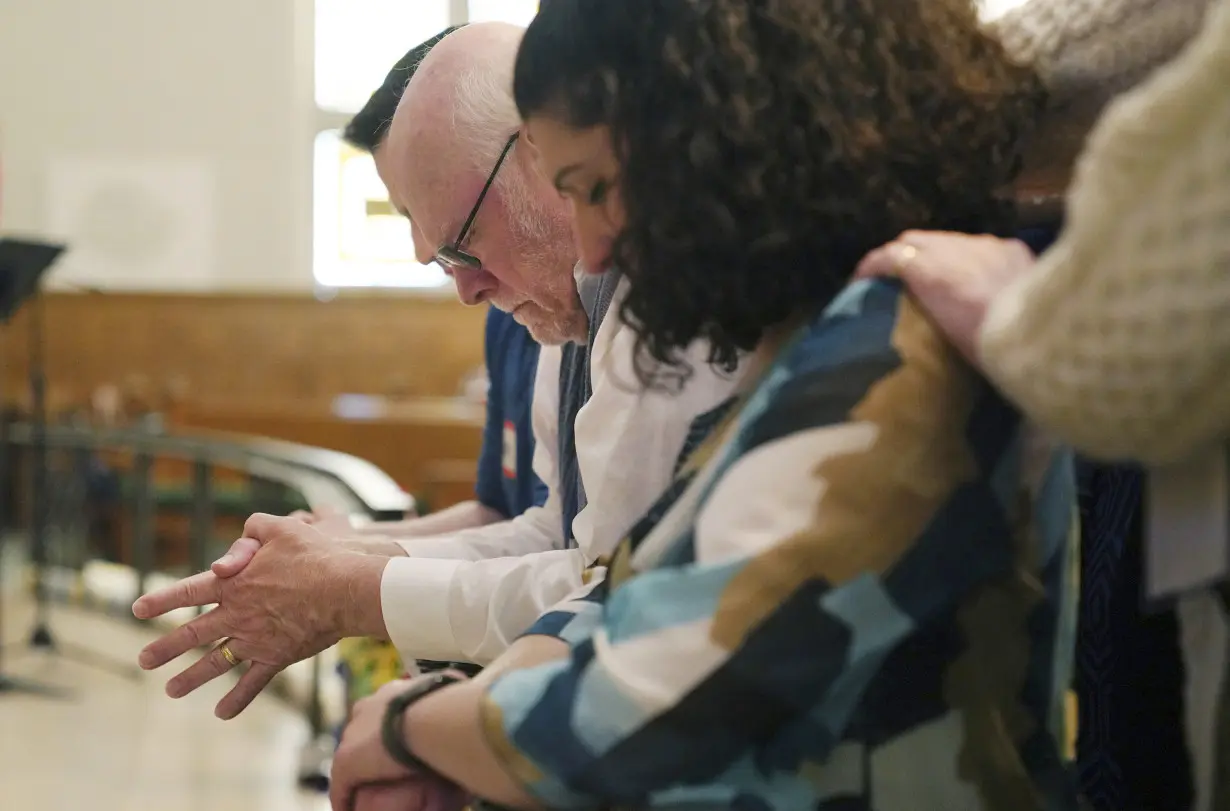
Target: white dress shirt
{"x": 465, "y": 596}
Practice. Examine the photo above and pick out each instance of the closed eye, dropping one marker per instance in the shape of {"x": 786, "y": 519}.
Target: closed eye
{"x": 598, "y": 192}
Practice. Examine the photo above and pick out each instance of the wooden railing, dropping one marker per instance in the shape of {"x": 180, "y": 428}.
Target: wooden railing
{"x": 51, "y": 484}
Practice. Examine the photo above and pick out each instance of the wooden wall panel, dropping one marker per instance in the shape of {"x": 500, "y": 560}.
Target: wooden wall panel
{"x": 271, "y": 365}
{"x": 249, "y": 348}
{"x": 413, "y": 442}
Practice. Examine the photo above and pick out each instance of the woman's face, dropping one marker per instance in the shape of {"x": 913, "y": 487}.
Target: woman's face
{"x": 582, "y": 167}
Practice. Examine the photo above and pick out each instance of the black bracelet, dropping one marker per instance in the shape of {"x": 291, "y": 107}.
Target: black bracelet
{"x": 395, "y": 714}
{"x": 431, "y": 666}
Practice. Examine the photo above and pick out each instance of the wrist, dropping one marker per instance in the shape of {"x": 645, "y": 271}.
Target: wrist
{"x": 387, "y": 547}
{"x": 356, "y": 595}
{"x": 441, "y": 708}
{"x": 376, "y": 546}
{"x": 395, "y": 732}
{"x": 446, "y": 731}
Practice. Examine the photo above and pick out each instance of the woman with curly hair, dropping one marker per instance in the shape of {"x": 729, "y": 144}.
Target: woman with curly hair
{"x": 858, "y": 592}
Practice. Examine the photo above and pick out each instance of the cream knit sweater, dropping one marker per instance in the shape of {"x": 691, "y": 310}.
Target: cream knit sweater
{"x": 1119, "y": 341}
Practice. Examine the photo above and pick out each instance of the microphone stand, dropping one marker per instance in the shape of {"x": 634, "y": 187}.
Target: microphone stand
{"x": 41, "y": 636}
{"x": 10, "y": 685}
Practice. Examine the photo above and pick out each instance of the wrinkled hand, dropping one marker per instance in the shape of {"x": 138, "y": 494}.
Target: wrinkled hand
{"x": 953, "y": 276}
{"x": 328, "y": 520}
{"x": 288, "y": 605}
{"x": 362, "y": 764}
{"x": 334, "y": 524}
{"x": 328, "y": 524}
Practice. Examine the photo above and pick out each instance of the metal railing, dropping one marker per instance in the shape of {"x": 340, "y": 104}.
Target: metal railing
{"x": 280, "y": 476}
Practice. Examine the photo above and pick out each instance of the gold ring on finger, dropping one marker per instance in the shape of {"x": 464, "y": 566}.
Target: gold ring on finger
{"x": 228, "y": 655}
{"x": 903, "y": 257}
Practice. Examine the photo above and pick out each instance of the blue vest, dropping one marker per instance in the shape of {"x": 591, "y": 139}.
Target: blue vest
{"x": 575, "y": 388}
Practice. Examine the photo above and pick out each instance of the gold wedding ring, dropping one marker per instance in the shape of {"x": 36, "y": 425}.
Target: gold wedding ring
{"x": 230, "y": 657}
{"x": 902, "y": 257}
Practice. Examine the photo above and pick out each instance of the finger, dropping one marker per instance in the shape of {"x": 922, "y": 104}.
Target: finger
{"x": 447, "y": 797}
{"x": 1023, "y": 252}
{"x": 404, "y": 795}
{"x": 206, "y": 669}
{"x": 200, "y": 631}
{"x": 249, "y": 687}
{"x": 341, "y": 789}
{"x": 880, "y": 262}
{"x": 377, "y": 798}
{"x": 236, "y": 558}
{"x": 200, "y": 589}
{"x": 383, "y": 692}
{"x": 302, "y": 515}
{"x": 263, "y": 527}
{"x": 931, "y": 239}
{"x": 372, "y": 798}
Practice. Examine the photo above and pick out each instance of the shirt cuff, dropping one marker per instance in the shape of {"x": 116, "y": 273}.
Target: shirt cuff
{"x": 432, "y": 546}
{"x": 414, "y": 597}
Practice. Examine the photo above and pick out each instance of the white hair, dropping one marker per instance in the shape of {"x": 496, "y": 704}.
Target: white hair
{"x": 484, "y": 112}
{"x": 484, "y": 115}
{"x": 484, "y": 118}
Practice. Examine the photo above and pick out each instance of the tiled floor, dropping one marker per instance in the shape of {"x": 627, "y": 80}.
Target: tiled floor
{"x": 121, "y": 745}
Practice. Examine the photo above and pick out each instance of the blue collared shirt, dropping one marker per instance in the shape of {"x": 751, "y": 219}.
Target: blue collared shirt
{"x": 506, "y": 481}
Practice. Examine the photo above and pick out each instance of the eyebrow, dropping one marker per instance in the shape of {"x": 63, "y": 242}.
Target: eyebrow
{"x": 403, "y": 212}
{"x": 562, "y": 175}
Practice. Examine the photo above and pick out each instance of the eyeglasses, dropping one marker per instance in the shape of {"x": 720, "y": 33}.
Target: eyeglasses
{"x": 451, "y": 257}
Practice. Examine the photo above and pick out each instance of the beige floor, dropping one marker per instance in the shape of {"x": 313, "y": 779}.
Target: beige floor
{"x": 121, "y": 745}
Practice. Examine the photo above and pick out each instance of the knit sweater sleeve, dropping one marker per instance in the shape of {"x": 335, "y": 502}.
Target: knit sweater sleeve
{"x": 1119, "y": 342}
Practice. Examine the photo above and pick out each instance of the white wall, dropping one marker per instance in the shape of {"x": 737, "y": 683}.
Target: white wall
{"x": 211, "y": 97}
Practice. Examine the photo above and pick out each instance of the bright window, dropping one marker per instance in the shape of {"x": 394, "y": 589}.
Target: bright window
{"x": 360, "y": 240}
{"x": 357, "y": 41}
{"x": 518, "y": 12}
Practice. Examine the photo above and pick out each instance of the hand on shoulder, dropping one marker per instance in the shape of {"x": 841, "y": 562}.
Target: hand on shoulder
{"x": 953, "y": 276}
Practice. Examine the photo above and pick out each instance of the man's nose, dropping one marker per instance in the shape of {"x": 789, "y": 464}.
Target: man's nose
{"x": 473, "y": 286}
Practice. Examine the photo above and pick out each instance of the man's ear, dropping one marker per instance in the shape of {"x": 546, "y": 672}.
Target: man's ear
{"x": 532, "y": 156}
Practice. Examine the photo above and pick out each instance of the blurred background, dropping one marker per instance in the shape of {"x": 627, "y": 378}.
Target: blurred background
{"x": 235, "y": 273}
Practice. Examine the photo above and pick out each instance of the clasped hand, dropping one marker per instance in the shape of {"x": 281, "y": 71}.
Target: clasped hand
{"x": 287, "y": 604}
{"x": 366, "y": 778}
{"x": 955, "y": 277}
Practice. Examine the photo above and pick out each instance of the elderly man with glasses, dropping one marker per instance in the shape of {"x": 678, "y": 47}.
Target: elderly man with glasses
{"x": 456, "y": 167}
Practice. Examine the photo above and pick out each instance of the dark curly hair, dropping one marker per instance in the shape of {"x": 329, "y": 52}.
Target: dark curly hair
{"x": 765, "y": 146}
